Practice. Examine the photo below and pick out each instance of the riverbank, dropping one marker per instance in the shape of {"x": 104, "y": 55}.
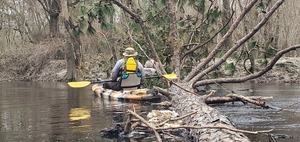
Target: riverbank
{"x": 47, "y": 63}
{"x": 286, "y": 70}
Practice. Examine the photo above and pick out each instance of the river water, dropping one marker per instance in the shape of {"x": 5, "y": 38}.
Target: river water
{"x": 43, "y": 112}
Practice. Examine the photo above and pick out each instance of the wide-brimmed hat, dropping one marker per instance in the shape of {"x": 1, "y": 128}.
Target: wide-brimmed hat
{"x": 130, "y": 52}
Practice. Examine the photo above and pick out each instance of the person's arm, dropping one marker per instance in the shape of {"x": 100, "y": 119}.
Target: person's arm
{"x": 116, "y": 69}
{"x": 141, "y": 68}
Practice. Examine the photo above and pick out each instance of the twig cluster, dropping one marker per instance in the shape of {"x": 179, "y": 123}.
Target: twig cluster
{"x": 159, "y": 128}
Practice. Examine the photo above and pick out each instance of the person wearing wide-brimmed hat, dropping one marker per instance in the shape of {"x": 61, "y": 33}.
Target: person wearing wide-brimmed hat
{"x": 119, "y": 68}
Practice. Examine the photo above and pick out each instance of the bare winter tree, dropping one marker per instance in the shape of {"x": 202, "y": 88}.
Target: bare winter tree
{"x": 53, "y": 9}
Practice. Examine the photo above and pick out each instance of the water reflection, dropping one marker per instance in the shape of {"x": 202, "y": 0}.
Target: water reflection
{"x": 41, "y": 112}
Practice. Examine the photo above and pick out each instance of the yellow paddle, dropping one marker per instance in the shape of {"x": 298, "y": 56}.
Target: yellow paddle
{"x": 81, "y": 84}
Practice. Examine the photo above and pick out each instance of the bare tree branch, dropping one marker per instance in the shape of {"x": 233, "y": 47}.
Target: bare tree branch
{"x": 146, "y": 32}
{"x": 235, "y": 24}
{"x": 44, "y": 6}
{"x": 148, "y": 124}
{"x": 251, "y": 76}
{"x": 207, "y": 41}
{"x": 238, "y": 44}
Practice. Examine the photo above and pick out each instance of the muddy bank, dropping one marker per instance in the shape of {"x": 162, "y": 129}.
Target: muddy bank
{"x": 42, "y": 68}
{"x": 286, "y": 70}
{"x": 46, "y": 62}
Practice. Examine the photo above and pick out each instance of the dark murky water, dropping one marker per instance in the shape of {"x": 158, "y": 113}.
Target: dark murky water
{"x": 40, "y": 112}
{"x": 285, "y": 122}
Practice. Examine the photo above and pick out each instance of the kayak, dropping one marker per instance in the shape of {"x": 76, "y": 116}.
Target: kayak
{"x": 126, "y": 95}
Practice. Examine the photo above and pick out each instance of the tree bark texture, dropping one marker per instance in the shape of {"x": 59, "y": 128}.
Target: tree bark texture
{"x": 53, "y": 8}
{"x": 174, "y": 36}
{"x": 71, "y": 67}
{"x": 187, "y": 103}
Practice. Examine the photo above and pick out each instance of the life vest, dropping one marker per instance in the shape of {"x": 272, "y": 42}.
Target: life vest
{"x": 131, "y": 66}
{"x": 131, "y": 76}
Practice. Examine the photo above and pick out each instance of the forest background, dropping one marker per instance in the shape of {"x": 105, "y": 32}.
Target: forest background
{"x": 37, "y": 35}
{"x": 202, "y": 41}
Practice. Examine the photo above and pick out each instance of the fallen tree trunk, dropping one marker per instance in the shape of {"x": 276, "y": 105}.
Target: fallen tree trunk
{"x": 256, "y": 100}
{"x": 164, "y": 122}
{"x": 207, "y": 116}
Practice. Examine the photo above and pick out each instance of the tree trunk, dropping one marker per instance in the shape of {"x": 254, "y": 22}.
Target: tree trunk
{"x": 54, "y": 26}
{"x": 53, "y": 8}
{"x": 225, "y": 19}
{"x": 71, "y": 67}
{"x": 187, "y": 103}
{"x": 73, "y": 45}
{"x": 174, "y": 36}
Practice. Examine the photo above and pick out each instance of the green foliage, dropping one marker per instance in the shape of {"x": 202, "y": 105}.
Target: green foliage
{"x": 201, "y": 6}
{"x": 251, "y": 44}
{"x": 230, "y": 68}
{"x": 84, "y": 10}
{"x": 268, "y": 50}
{"x": 99, "y": 11}
{"x": 104, "y": 12}
{"x": 214, "y": 15}
{"x": 91, "y": 29}
{"x": 196, "y": 25}
{"x": 214, "y": 74}
{"x": 221, "y": 53}
{"x": 135, "y": 27}
{"x": 262, "y": 5}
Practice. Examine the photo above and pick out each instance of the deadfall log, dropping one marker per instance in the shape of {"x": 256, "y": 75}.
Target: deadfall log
{"x": 256, "y": 100}
{"x": 207, "y": 116}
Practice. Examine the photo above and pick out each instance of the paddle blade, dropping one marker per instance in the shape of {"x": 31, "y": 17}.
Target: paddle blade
{"x": 170, "y": 76}
{"x": 79, "y": 84}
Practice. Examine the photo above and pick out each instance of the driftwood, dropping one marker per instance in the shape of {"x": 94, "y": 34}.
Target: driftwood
{"x": 256, "y": 100}
{"x": 148, "y": 124}
{"x": 161, "y": 129}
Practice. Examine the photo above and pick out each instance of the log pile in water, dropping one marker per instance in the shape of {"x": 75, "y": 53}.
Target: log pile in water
{"x": 192, "y": 117}
{"x": 221, "y": 130}
{"x": 206, "y": 116}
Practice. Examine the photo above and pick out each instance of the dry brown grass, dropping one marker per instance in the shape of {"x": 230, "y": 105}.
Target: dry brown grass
{"x": 25, "y": 63}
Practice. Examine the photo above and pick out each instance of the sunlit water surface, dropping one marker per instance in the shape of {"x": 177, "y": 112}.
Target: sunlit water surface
{"x": 40, "y": 112}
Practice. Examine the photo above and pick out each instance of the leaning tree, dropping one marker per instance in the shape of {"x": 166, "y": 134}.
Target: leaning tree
{"x": 194, "y": 39}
